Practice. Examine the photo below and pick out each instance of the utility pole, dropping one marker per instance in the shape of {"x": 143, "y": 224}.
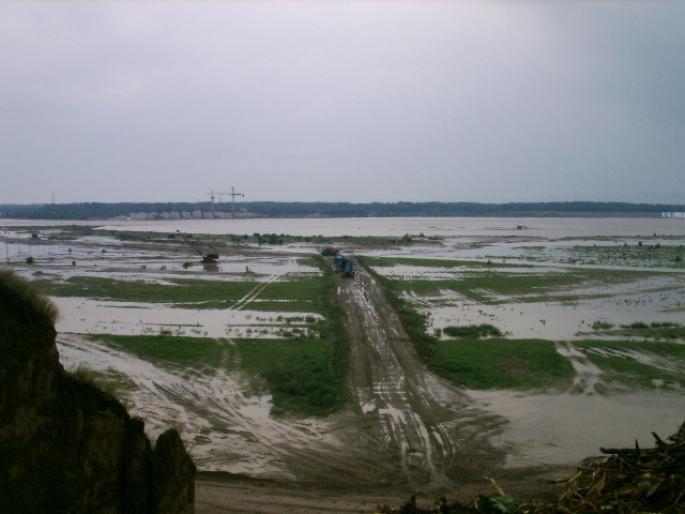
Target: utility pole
{"x": 212, "y": 196}
{"x": 233, "y": 194}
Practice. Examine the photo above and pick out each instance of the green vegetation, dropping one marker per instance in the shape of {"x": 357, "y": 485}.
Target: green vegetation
{"x": 473, "y": 331}
{"x": 300, "y": 374}
{"x": 602, "y": 325}
{"x": 219, "y": 241}
{"x": 292, "y": 295}
{"x": 194, "y": 352}
{"x": 503, "y": 364}
{"x": 436, "y": 263}
{"x": 305, "y": 376}
{"x": 488, "y": 286}
{"x": 621, "y": 363}
{"x": 534, "y": 364}
{"x": 648, "y": 255}
{"x": 656, "y": 330}
{"x": 183, "y": 290}
{"x": 22, "y": 294}
{"x": 106, "y": 384}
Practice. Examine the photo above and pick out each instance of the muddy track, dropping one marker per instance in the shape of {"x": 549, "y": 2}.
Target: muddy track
{"x": 426, "y": 425}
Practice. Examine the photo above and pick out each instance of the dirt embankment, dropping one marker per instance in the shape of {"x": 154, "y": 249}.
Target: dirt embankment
{"x": 66, "y": 446}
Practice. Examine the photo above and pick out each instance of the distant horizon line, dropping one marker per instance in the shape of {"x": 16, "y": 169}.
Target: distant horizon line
{"x": 346, "y": 202}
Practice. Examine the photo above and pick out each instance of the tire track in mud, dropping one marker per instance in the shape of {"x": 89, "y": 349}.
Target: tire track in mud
{"x": 254, "y": 293}
{"x": 429, "y": 427}
{"x": 225, "y": 427}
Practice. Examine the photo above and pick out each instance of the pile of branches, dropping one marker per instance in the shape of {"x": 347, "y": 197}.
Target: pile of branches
{"x": 624, "y": 481}
{"x": 627, "y": 481}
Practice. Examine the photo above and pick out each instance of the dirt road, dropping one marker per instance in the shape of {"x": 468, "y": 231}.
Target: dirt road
{"x": 425, "y": 425}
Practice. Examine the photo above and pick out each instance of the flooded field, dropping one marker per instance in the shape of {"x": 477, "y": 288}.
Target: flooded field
{"x": 550, "y": 337}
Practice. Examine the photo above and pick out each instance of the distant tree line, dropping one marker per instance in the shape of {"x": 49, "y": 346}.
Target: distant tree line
{"x": 99, "y": 211}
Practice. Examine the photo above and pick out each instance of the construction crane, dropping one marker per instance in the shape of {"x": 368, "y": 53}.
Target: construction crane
{"x": 233, "y": 194}
{"x": 212, "y": 195}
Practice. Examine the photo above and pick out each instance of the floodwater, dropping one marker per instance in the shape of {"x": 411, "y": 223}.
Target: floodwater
{"x": 86, "y": 316}
{"x": 397, "y": 227}
{"x": 551, "y": 228}
{"x": 558, "y": 320}
{"x": 558, "y": 429}
{"x": 229, "y": 429}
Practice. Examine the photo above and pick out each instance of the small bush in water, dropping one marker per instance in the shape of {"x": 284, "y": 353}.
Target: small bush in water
{"x": 483, "y": 330}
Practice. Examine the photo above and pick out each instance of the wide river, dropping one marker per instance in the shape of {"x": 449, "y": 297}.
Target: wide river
{"x": 550, "y": 228}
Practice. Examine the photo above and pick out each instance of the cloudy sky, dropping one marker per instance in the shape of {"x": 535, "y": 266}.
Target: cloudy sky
{"x": 342, "y": 100}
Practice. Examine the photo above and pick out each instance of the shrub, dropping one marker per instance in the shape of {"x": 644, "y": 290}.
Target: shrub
{"x": 474, "y": 331}
{"x": 19, "y": 290}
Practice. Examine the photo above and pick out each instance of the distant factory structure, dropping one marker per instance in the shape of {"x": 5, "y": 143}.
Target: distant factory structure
{"x": 676, "y": 215}
{"x": 188, "y": 215}
{"x": 198, "y": 214}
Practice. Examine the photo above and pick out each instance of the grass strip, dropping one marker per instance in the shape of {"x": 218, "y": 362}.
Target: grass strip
{"x": 197, "y": 352}
{"x": 503, "y": 364}
{"x": 478, "y": 285}
{"x": 195, "y": 294}
{"x": 489, "y": 364}
{"x": 306, "y": 376}
{"x": 437, "y": 263}
{"x": 141, "y": 291}
{"x": 630, "y": 372}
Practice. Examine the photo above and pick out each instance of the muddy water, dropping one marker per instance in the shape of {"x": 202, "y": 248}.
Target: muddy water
{"x": 86, "y": 316}
{"x": 557, "y": 320}
{"x": 560, "y": 429}
{"x": 537, "y": 227}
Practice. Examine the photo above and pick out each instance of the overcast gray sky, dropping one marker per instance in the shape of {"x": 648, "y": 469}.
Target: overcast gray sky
{"x": 342, "y": 101}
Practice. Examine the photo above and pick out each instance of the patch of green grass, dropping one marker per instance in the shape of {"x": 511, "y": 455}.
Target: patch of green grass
{"x": 476, "y": 285}
{"x": 630, "y": 372}
{"x": 140, "y": 291}
{"x": 436, "y": 263}
{"x": 306, "y": 376}
{"x": 111, "y": 386}
{"x": 646, "y": 254}
{"x": 196, "y": 294}
{"x": 503, "y": 364}
{"x": 657, "y": 330}
{"x": 195, "y": 352}
{"x": 302, "y": 289}
{"x": 298, "y": 373}
{"x": 308, "y": 261}
{"x": 256, "y": 305}
{"x": 473, "y": 331}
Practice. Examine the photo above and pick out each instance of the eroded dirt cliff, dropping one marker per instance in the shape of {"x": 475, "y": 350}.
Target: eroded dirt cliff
{"x": 66, "y": 446}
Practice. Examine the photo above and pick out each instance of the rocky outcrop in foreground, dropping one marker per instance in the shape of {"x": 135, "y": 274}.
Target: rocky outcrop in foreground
{"x": 66, "y": 446}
